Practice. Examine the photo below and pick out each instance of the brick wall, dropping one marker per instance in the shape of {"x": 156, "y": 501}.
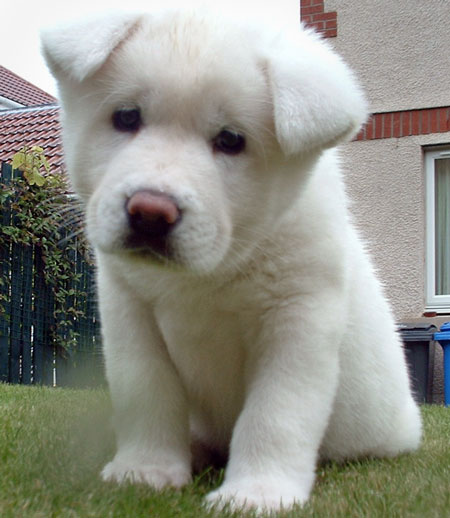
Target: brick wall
{"x": 406, "y": 123}
{"x": 312, "y": 14}
{"x": 395, "y": 124}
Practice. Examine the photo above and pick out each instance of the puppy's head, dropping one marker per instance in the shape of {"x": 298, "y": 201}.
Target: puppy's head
{"x": 189, "y": 136}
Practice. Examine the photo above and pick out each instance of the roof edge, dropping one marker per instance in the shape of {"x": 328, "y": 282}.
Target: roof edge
{"x": 12, "y": 105}
{"x": 26, "y": 109}
{"x": 23, "y": 91}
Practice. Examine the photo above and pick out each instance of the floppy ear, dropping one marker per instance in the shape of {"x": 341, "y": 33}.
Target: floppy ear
{"x": 317, "y": 102}
{"x": 78, "y": 49}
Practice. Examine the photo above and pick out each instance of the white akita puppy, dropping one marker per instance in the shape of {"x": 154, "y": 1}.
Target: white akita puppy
{"x": 241, "y": 314}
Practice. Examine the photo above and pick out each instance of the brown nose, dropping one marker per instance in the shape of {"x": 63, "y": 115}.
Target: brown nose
{"x": 151, "y": 217}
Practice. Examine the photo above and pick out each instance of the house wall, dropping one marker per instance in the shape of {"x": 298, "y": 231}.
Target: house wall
{"x": 386, "y": 182}
{"x": 399, "y": 51}
{"x": 399, "y": 48}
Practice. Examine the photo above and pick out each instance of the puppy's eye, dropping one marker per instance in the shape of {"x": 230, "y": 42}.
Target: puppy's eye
{"x": 127, "y": 119}
{"x": 229, "y": 142}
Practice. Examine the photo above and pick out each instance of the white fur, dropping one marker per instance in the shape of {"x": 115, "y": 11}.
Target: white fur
{"x": 270, "y": 338}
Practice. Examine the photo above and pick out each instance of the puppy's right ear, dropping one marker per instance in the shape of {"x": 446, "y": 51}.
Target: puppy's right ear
{"x": 78, "y": 49}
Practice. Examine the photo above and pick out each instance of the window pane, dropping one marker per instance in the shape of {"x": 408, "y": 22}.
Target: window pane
{"x": 442, "y": 219}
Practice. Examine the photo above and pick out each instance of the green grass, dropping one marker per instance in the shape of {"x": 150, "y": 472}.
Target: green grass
{"x": 53, "y": 443}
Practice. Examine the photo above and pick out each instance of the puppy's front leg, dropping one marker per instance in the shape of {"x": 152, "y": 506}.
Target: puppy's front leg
{"x": 292, "y": 381}
{"x": 150, "y": 410}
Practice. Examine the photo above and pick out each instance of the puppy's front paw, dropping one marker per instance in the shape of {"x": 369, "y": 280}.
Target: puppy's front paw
{"x": 262, "y": 497}
{"x": 157, "y": 476}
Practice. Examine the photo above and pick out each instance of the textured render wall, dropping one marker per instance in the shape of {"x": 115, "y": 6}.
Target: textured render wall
{"x": 386, "y": 183}
{"x": 400, "y": 52}
{"x": 405, "y": 42}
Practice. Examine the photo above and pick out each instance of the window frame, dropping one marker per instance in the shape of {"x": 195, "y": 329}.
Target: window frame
{"x": 437, "y": 303}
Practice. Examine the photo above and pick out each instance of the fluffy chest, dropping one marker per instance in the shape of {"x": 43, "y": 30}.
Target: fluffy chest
{"x": 207, "y": 346}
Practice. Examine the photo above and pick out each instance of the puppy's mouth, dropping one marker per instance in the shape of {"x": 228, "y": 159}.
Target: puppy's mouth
{"x": 155, "y": 250}
{"x": 149, "y": 243}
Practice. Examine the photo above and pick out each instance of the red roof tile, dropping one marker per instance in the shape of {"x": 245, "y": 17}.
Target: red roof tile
{"x": 37, "y": 126}
{"x": 21, "y": 91}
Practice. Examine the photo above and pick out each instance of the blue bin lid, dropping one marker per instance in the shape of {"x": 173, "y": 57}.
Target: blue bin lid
{"x": 444, "y": 333}
{"x": 417, "y": 332}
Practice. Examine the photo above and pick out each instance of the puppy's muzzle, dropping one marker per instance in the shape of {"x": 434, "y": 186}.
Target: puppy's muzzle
{"x": 152, "y": 216}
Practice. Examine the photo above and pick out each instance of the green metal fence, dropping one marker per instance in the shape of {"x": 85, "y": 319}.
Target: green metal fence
{"x": 30, "y": 334}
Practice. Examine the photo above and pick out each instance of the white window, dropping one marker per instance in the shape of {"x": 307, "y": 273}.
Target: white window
{"x": 437, "y": 167}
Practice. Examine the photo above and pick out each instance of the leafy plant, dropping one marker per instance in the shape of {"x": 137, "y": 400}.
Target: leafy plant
{"x": 45, "y": 218}
{"x": 30, "y": 163}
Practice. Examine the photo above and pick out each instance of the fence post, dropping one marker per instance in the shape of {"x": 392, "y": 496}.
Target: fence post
{"x": 5, "y": 273}
{"x": 43, "y": 323}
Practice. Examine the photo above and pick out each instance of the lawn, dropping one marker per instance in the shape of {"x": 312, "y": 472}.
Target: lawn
{"x": 53, "y": 443}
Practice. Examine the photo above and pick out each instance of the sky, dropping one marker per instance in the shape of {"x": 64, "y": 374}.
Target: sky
{"x": 23, "y": 20}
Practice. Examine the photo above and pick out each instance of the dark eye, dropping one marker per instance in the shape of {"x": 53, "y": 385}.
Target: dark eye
{"x": 127, "y": 119}
{"x": 229, "y": 142}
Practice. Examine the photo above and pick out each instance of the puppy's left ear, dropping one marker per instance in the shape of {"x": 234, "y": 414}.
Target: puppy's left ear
{"x": 317, "y": 101}
{"x": 76, "y": 50}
